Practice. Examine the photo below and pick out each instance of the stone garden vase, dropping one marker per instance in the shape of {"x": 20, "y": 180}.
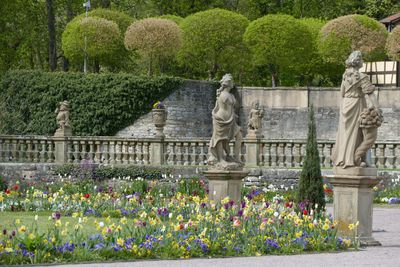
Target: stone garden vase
{"x": 159, "y": 120}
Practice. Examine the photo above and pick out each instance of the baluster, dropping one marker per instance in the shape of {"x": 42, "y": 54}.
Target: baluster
{"x": 297, "y": 154}
{"x": 202, "y": 155}
{"x": 97, "y": 152}
{"x": 14, "y": 150}
{"x": 270, "y": 154}
{"x": 84, "y": 151}
{"x": 397, "y": 156}
{"x": 289, "y": 155}
{"x": 186, "y": 153}
{"x": 125, "y": 152}
{"x": 390, "y": 156}
{"x": 76, "y": 151}
{"x": 42, "y": 153}
{"x": 194, "y": 156}
{"x": 139, "y": 153}
{"x": 381, "y": 155}
{"x": 178, "y": 150}
{"x": 70, "y": 151}
{"x": 146, "y": 153}
{"x": 112, "y": 152}
{"x": 327, "y": 152}
{"x": 91, "y": 150}
{"x": 117, "y": 152}
{"x": 35, "y": 148}
{"x": 132, "y": 152}
{"x": 281, "y": 154}
{"x": 321, "y": 153}
{"x": 50, "y": 151}
{"x": 266, "y": 158}
{"x": 374, "y": 158}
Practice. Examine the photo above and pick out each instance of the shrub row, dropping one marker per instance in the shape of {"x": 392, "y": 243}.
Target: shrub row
{"x": 92, "y": 171}
{"x": 100, "y": 104}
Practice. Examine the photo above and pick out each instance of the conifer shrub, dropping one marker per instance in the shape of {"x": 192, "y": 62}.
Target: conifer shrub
{"x": 311, "y": 186}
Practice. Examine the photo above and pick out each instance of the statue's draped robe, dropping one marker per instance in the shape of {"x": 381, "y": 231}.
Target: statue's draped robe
{"x": 223, "y": 129}
{"x": 349, "y": 135}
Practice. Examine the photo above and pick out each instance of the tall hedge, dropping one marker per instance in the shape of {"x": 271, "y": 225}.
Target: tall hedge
{"x": 100, "y": 104}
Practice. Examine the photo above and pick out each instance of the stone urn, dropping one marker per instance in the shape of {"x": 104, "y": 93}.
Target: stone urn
{"x": 159, "y": 119}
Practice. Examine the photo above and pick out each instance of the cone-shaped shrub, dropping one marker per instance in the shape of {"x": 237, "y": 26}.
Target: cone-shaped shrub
{"x": 311, "y": 190}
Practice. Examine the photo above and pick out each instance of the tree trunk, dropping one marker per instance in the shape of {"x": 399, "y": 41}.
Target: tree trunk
{"x": 274, "y": 75}
{"x": 96, "y": 66}
{"x": 51, "y": 25}
{"x": 70, "y": 15}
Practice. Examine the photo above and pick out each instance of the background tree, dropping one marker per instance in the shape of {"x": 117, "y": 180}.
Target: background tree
{"x": 340, "y": 36}
{"x": 154, "y": 39}
{"x": 51, "y": 26}
{"x": 174, "y": 18}
{"x": 311, "y": 186}
{"x": 212, "y": 43}
{"x": 279, "y": 43}
{"x": 393, "y": 44}
{"x": 102, "y": 39}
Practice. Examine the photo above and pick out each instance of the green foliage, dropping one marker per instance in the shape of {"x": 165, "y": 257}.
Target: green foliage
{"x": 123, "y": 20}
{"x": 393, "y": 44}
{"x": 174, "y": 18}
{"x": 97, "y": 37}
{"x": 192, "y": 186}
{"x": 100, "y": 104}
{"x": 120, "y": 59}
{"x": 156, "y": 40}
{"x": 277, "y": 41}
{"x": 3, "y": 184}
{"x": 311, "y": 186}
{"x": 212, "y": 43}
{"x": 341, "y": 36}
{"x": 316, "y": 71}
{"x": 130, "y": 172}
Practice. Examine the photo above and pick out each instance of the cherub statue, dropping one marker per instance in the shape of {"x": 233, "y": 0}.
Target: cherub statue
{"x": 255, "y": 116}
{"x": 63, "y": 115}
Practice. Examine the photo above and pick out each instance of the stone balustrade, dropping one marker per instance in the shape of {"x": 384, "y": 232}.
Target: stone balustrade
{"x": 174, "y": 152}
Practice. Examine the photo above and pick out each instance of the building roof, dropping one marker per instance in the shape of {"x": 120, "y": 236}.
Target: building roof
{"x": 391, "y": 18}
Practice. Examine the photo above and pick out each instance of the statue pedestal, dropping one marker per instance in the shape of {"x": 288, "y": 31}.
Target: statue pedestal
{"x": 225, "y": 183}
{"x": 353, "y": 198}
{"x": 254, "y": 134}
{"x": 67, "y": 131}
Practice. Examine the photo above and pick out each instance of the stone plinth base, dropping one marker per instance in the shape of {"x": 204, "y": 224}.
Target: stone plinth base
{"x": 353, "y": 198}
{"x": 225, "y": 183}
{"x": 67, "y": 131}
{"x": 254, "y": 134}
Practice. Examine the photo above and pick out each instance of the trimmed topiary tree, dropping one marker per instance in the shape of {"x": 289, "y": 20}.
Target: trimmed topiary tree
{"x": 154, "y": 39}
{"x": 311, "y": 186}
{"x": 212, "y": 43}
{"x": 102, "y": 40}
{"x": 393, "y": 44}
{"x": 279, "y": 42}
{"x": 316, "y": 71}
{"x": 340, "y": 36}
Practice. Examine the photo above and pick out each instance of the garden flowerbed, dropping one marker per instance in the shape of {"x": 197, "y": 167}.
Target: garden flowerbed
{"x": 137, "y": 220}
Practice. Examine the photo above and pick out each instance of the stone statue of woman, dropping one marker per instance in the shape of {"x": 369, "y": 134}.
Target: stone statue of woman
{"x": 225, "y": 128}
{"x": 359, "y": 116}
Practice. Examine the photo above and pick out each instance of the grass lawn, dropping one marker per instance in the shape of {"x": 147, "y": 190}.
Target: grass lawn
{"x": 7, "y": 221}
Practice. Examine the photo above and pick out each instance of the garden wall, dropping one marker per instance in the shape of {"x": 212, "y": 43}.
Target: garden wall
{"x": 189, "y": 112}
